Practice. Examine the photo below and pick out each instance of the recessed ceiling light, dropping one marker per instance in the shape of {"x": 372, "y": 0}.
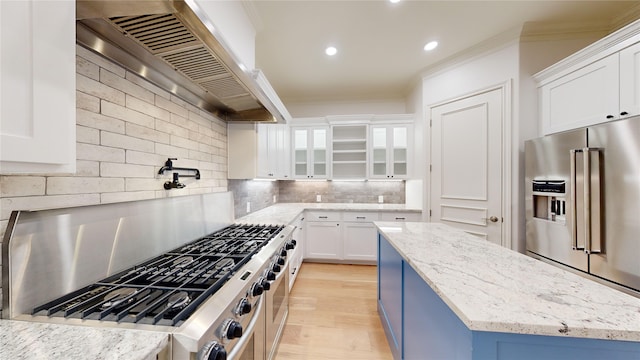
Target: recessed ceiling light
{"x": 331, "y": 51}
{"x": 431, "y": 45}
{"x": 394, "y": 1}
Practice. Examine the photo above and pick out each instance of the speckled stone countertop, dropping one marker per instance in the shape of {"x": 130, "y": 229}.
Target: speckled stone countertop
{"x": 491, "y": 288}
{"x": 30, "y": 340}
{"x": 284, "y": 213}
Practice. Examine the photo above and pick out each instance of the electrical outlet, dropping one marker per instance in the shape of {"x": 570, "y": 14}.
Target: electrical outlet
{"x": 380, "y": 199}
{"x": 318, "y": 198}
{"x": 248, "y": 206}
{"x": 275, "y": 199}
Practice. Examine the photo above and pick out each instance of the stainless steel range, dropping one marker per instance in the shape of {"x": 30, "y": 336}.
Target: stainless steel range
{"x": 68, "y": 266}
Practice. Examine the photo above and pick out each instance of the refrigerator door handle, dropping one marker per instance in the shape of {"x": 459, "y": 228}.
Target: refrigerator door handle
{"x": 593, "y": 239}
{"x": 574, "y": 200}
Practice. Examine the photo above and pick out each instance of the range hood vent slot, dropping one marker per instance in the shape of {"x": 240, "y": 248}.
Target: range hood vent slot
{"x": 156, "y": 44}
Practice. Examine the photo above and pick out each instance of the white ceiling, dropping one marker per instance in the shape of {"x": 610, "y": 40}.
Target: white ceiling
{"x": 380, "y": 44}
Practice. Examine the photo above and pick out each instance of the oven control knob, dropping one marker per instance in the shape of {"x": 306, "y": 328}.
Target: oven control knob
{"x": 276, "y": 268}
{"x": 257, "y": 289}
{"x": 266, "y": 284}
{"x": 232, "y": 330}
{"x": 271, "y": 275}
{"x": 244, "y": 307}
{"x": 290, "y": 245}
{"x": 212, "y": 351}
{"x": 281, "y": 261}
{"x": 283, "y": 252}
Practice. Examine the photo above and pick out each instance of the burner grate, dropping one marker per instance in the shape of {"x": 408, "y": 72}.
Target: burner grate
{"x": 168, "y": 288}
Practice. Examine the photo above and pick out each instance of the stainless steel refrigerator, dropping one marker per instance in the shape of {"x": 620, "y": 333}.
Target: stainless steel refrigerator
{"x": 582, "y": 198}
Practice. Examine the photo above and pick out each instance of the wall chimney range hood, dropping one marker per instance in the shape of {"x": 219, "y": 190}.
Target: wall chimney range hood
{"x": 173, "y": 44}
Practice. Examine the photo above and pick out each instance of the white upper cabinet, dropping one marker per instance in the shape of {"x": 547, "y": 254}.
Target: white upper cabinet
{"x": 630, "y": 80}
{"x": 258, "y": 151}
{"x": 38, "y": 88}
{"x": 597, "y": 84}
{"x": 273, "y": 151}
{"x": 390, "y": 151}
{"x": 311, "y": 156}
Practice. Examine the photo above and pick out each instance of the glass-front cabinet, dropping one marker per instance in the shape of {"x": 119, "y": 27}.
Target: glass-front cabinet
{"x": 390, "y": 151}
{"x": 310, "y": 152}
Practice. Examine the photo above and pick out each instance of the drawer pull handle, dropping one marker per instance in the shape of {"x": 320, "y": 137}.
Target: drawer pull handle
{"x": 323, "y": 217}
{"x": 360, "y": 217}
{"x": 400, "y": 218}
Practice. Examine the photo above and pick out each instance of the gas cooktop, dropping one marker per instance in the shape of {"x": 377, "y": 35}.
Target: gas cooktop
{"x": 168, "y": 288}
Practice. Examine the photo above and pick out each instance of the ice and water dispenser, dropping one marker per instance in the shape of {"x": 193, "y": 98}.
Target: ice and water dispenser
{"x": 549, "y": 200}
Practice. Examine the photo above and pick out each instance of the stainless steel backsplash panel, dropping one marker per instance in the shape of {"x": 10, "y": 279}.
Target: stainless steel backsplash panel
{"x": 49, "y": 253}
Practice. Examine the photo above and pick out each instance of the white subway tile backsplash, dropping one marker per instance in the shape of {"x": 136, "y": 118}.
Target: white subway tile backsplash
{"x": 83, "y": 185}
{"x": 144, "y": 158}
{"x": 87, "y": 68}
{"x": 87, "y": 168}
{"x": 172, "y": 151}
{"x": 127, "y": 196}
{"x": 183, "y": 142}
{"x": 171, "y": 129}
{"x": 126, "y": 170}
{"x": 100, "y": 61}
{"x": 144, "y": 107}
{"x": 147, "y": 85}
{"x": 184, "y": 122}
{"x": 99, "y": 121}
{"x": 87, "y": 102}
{"x": 95, "y": 88}
{"x": 125, "y": 142}
{"x": 171, "y": 106}
{"x": 132, "y": 184}
{"x": 87, "y": 135}
{"x": 99, "y": 153}
{"x": 22, "y": 185}
{"x": 126, "y": 86}
{"x": 146, "y": 133}
{"x": 200, "y": 155}
{"x": 200, "y": 120}
{"x": 120, "y": 112}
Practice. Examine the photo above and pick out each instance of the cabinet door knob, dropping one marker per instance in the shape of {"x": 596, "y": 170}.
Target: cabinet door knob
{"x": 610, "y": 116}
{"x": 624, "y": 113}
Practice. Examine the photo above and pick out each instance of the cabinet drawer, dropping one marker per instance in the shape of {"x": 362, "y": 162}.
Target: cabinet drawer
{"x": 400, "y": 216}
{"x": 323, "y": 216}
{"x": 359, "y": 216}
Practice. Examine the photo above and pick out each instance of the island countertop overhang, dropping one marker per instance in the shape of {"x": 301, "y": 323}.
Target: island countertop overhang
{"x": 494, "y": 289}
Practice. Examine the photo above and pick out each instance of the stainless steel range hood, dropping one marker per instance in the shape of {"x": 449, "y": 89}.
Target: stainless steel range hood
{"x": 173, "y": 44}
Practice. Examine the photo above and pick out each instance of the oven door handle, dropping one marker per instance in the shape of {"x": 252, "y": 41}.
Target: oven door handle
{"x": 247, "y": 334}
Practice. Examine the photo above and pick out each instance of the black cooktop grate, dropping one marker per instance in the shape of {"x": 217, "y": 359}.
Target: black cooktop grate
{"x": 168, "y": 288}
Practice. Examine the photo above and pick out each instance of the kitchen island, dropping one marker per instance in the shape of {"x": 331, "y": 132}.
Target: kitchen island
{"x": 445, "y": 294}
{"x": 30, "y": 340}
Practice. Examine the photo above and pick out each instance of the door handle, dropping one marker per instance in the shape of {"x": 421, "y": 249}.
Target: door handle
{"x": 492, "y": 219}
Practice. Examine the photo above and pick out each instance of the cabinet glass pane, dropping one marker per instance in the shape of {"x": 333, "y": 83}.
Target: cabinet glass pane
{"x": 300, "y": 139}
{"x": 379, "y": 138}
{"x": 400, "y": 137}
{"x": 380, "y": 161}
{"x": 319, "y": 139}
{"x": 400, "y": 161}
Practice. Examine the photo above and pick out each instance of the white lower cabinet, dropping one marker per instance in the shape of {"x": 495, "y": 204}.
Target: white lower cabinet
{"x": 296, "y": 255}
{"x": 323, "y": 240}
{"x": 347, "y": 236}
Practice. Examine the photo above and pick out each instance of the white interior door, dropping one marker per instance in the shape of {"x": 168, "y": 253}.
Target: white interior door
{"x": 466, "y": 164}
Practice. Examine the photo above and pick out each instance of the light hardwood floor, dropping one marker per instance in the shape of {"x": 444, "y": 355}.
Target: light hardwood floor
{"x": 333, "y": 315}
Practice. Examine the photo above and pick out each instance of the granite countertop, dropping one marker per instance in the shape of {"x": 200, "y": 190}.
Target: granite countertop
{"x": 285, "y": 213}
{"x": 32, "y": 340}
{"x": 491, "y": 288}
